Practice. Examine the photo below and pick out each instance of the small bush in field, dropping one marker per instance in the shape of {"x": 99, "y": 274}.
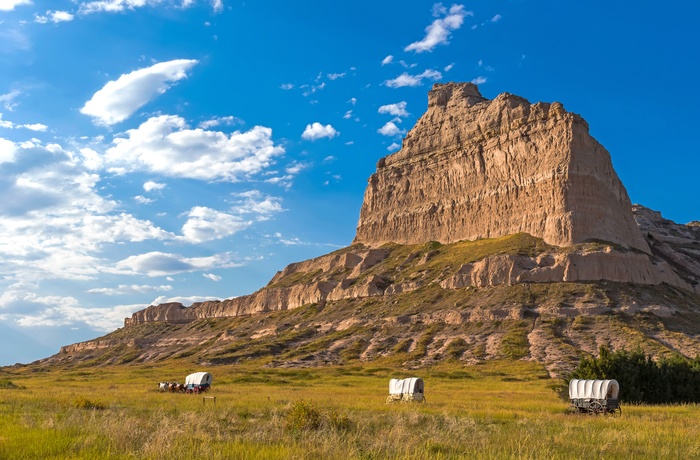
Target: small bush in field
{"x": 338, "y": 421}
{"x": 85, "y": 403}
{"x": 303, "y": 416}
{"x": 8, "y": 385}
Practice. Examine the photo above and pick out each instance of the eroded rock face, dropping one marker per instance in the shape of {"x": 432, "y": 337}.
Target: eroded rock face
{"x": 473, "y": 168}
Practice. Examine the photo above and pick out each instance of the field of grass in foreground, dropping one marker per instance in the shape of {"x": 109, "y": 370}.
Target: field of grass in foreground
{"x": 496, "y": 410}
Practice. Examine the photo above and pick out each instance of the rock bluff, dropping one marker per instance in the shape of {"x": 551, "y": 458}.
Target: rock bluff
{"x": 476, "y": 168}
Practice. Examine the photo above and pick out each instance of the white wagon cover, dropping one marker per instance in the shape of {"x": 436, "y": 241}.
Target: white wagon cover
{"x": 593, "y": 389}
{"x": 199, "y": 378}
{"x": 406, "y": 386}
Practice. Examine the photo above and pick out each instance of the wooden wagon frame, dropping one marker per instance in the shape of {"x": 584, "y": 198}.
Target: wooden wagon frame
{"x": 594, "y": 397}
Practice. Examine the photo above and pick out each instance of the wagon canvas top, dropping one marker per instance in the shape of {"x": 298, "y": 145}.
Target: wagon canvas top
{"x": 410, "y": 385}
{"x": 199, "y": 378}
{"x": 593, "y": 389}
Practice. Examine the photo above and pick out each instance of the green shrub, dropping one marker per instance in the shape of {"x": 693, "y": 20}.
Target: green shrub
{"x": 90, "y": 404}
{"x": 8, "y": 385}
{"x": 303, "y": 416}
{"x": 643, "y": 380}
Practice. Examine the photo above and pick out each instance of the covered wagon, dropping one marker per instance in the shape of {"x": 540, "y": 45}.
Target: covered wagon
{"x": 411, "y": 389}
{"x": 198, "y": 382}
{"x": 594, "y": 396}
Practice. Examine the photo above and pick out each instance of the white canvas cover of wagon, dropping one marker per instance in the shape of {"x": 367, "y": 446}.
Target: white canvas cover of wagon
{"x": 594, "y": 396}
{"x": 407, "y": 390}
{"x": 198, "y": 382}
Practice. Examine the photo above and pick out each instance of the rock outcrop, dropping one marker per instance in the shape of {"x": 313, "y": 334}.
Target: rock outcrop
{"x": 472, "y": 168}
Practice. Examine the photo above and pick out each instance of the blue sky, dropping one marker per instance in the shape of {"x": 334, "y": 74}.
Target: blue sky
{"x": 158, "y": 150}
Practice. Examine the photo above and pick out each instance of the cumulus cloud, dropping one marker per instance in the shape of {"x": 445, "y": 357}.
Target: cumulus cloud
{"x": 120, "y": 98}
{"x": 398, "y": 109}
{"x": 150, "y": 185}
{"x": 162, "y": 264}
{"x": 218, "y": 121}
{"x": 393, "y": 147}
{"x": 67, "y": 312}
{"x": 57, "y": 224}
{"x": 206, "y": 224}
{"x": 9, "y": 5}
{"x": 217, "y": 5}
{"x": 30, "y": 126}
{"x": 116, "y": 6}
{"x": 185, "y": 300}
{"x": 212, "y": 276}
{"x": 479, "y": 80}
{"x": 256, "y": 202}
{"x": 335, "y": 76}
{"x": 390, "y": 129}
{"x": 166, "y": 146}
{"x": 439, "y": 31}
{"x": 388, "y": 60}
{"x": 413, "y": 80}
{"x": 8, "y": 99}
{"x": 126, "y": 289}
{"x": 53, "y": 16}
{"x": 317, "y": 131}
{"x": 287, "y": 86}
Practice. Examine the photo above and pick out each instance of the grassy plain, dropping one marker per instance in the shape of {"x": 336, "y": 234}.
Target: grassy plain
{"x": 501, "y": 409}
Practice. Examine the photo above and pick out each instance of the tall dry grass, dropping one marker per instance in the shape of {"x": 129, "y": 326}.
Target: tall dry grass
{"x": 497, "y": 410}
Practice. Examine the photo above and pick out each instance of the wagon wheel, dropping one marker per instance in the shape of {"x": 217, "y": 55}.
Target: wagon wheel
{"x": 572, "y": 409}
{"x": 595, "y": 408}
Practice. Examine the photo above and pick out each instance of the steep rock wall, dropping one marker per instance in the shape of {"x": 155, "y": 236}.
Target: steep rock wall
{"x": 473, "y": 168}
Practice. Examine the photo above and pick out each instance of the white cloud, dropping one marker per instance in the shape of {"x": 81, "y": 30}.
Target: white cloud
{"x": 8, "y": 150}
{"x": 206, "y": 224}
{"x": 120, "y": 98}
{"x": 162, "y": 264}
{"x": 393, "y": 146}
{"x": 116, "y": 6}
{"x": 438, "y": 32}
{"x": 255, "y": 202}
{"x": 398, "y": 109}
{"x": 287, "y": 86}
{"x": 185, "y": 300}
{"x": 388, "y": 60}
{"x": 217, "y": 5}
{"x": 335, "y": 76}
{"x": 295, "y": 167}
{"x": 67, "y": 312}
{"x": 150, "y": 185}
{"x": 449, "y": 67}
{"x": 496, "y": 18}
{"x": 125, "y": 289}
{"x": 164, "y": 145}
{"x": 54, "y": 16}
{"x": 413, "y": 80}
{"x": 479, "y": 80}
{"x": 317, "y": 131}
{"x": 8, "y": 99}
{"x": 143, "y": 199}
{"x": 30, "y": 126}
{"x": 9, "y": 5}
{"x": 57, "y": 225}
{"x": 348, "y": 115}
{"x": 352, "y": 100}
{"x": 212, "y": 276}
{"x": 390, "y": 129}
{"x": 217, "y": 121}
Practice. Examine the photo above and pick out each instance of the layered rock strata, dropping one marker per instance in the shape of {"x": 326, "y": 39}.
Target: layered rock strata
{"x": 475, "y": 168}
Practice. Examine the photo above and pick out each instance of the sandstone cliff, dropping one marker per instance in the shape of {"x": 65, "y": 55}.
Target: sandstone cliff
{"x": 472, "y": 168}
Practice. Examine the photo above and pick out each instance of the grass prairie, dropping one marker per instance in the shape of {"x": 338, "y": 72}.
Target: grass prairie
{"x": 499, "y": 409}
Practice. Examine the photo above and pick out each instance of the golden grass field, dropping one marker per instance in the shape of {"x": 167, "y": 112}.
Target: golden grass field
{"x": 502, "y": 409}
